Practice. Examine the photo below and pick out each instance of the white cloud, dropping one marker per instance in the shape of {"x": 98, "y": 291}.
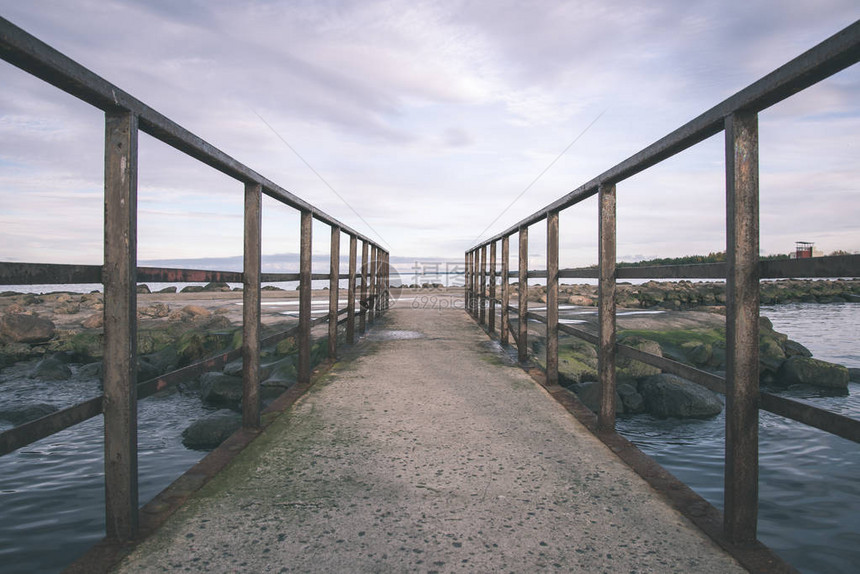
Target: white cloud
{"x": 428, "y": 118}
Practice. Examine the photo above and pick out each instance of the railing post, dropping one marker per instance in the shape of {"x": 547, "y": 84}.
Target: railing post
{"x": 304, "y": 366}
{"x": 371, "y": 297}
{"x": 483, "y": 287}
{"x": 491, "y": 325}
{"x": 506, "y": 290}
{"x": 120, "y": 326}
{"x": 333, "y": 290}
{"x": 350, "y": 291}
{"x": 523, "y": 290}
{"x": 552, "y": 298}
{"x": 362, "y": 307}
{"x": 472, "y": 308}
{"x": 466, "y": 281}
{"x": 742, "y": 315}
{"x": 606, "y": 307}
{"x": 251, "y": 307}
{"x": 387, "y": 282}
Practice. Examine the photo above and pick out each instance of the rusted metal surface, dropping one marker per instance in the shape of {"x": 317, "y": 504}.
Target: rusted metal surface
{"x": 350, "y": 291}
{"x": 491, "y": 319}
{"x": 523, "y": 292}
{"x": 828, "y": 421}
{"x": 552, "y": 298}
{"x": 362, "y": 298}
{"x": 251, "y": 306}
{"x": 48, "y": 274}
{"x": 833, "y": 266}
{"x": 606, "y": 307}
{"x": 333, "y": 291}
{"x": 303, "y": 368}
{"x": 742, "y": 317}
{"x": 120, "y": 325}
{"x": 164, "y": 275}
{"x": 279, "y": 277}
{"x": 693, "y": 271}
{"x": 504, "y": 328}
{"x": 30, "y": 432}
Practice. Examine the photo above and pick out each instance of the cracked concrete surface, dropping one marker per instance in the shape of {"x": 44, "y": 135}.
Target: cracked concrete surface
{"x": 427, "y": 453}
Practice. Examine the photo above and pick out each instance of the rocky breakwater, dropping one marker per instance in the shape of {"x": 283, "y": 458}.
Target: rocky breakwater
{"x": 694, "y": 338}
{"x": 57, "y": 339}
{"x": 686, "y": 295}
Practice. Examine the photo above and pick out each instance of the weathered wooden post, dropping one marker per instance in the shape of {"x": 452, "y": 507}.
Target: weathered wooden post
{"x": 473, "y": 309}
{"x": 482, "y": 297}
{"x": 742, "y": 316}
{"x": 606, "y": 307}
{"x": 523, "y": 290}
{"x": 491, "y": 325}
{"x": 552, "y": 298}
{"x": 251, "y": 307}
{"x": 387, "y": 282}
{"x": 350, "y": 291}
{"x": 120, "y": 326}
{"x": 333, "y": 290}
{"x": 365, "y": 269}
{"x": 466, "y": 291}
{"x": 506, "y": 290}
{"x": 304, "y": 366}
{"x": 371, "y": 289}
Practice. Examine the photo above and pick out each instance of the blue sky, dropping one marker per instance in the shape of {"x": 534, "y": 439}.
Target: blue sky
{"x": 429, "y": 119}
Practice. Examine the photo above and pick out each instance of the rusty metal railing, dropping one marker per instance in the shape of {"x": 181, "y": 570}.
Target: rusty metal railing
{"x": 125, "y": 116}
{"x": 737, "y": 116}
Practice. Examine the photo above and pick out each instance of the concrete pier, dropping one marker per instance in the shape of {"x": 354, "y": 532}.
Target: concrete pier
{"x": 426, "y": 449}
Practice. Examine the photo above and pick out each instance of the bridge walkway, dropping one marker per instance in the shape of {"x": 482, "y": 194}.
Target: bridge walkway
{"x": 425, "y": 449}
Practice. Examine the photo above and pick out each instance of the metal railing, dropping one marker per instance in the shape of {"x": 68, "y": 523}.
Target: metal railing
{"x": 737, "y": 116}
{"x": 125, "y": 116}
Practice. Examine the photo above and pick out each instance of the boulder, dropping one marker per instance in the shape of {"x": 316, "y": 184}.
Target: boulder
{"x": 51, "y": 369}
{"x": 589, "y": 394}
{"x": 92, "y": 370}
{"x": 22, "y": 328}
{"x": 216, "y": 286}
{"x": 194, "y": 311}
{"x": 808, "y": 371}
{"x": 630, "y": 397}
{"x": 210, "y": 431}
{"x": 20, "y": 415}
{"x": 281, "y": 373}
{"x": 143, "y": 289}
{"x": 220, "y": 390}
{"x": 171, "y": 289}
{"x": 581, "y": 300}
{"x": 192, "y": 289}
{"x": 793, "y": 348}
{"x": 96, "y": 321}
{"x": 154, "y": 311}
{"x": 633, "y": 369}
{"x": 669, "y": 395}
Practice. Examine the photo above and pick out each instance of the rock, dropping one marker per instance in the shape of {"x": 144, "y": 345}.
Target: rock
{"x": 580, "y": 300}
{"x": 633, "y": 369}
{"x": 272, "y": 288}
{"x": 96, "y": 321}
{"x": 795, "y": 349}
{"x": 770, "y": 353}
{"x": 216, "y": 286}
{"x": 51, "y": 369}
{"x": 698, "y": 353}
{"x": 669, "y": 395}
{"x": 142, "y": 288}
{"x": 589, "y": 394}
{"x": 282, "y": 372}
{"x": 171, "y": 289}
{"x": 92, "y": 370}
{"x": 220, "y": 390}
{"x": 20, "y": 415}
{"x": 68, "y": 308}
{"x": 194, "y": 311}
{"x": 210, "y": 431}
{"x": 22, "y": 328}
{"x": 155, "y": 311}
{"x": 809, "y": 371}
{"x": 192, "y": 289}
{"x": 630, "y": 397}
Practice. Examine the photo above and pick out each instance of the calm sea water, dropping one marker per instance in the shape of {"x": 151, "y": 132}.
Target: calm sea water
{"x": 809, "y": 483}
{"x": 51, "y": 493}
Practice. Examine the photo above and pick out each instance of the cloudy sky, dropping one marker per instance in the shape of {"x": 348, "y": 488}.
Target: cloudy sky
{"x": 425, "y": 121}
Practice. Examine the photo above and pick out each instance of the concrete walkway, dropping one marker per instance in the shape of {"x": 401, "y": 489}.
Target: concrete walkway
{"x": 429, "y": 452}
